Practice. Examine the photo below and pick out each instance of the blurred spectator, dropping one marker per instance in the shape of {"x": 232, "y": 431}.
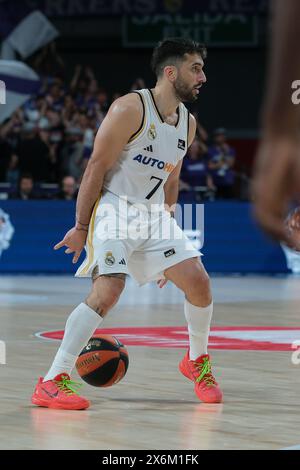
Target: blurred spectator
{"x": 194, "y": 174}
{"x": 13, "y": 172}
{"x": 33, "y": 153}
{"x": 68, "y": 189}
{"x": 84, "y": 85}
{"x": 221, "y": 159}
{"x": 54, "y": 119}
{"x": 90, "y": 96}
{"x": 68, "y": 110}
{"x": 52, "y": 139}
{"x": 5, "y": 156}
{"x": 48, "y": 62}
{"x": 87, "y": 127}
{"x": 72, "y": 153}
{"x": 55, "y": 98}
{"x": 102, "y": 101}
{"x": 25, "y": 188}
{"x": 10, "y": 131}
{"x": 77, "y": 84}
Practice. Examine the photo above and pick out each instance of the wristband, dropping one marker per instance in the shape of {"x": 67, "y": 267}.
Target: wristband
{"x": 80, "y": 223}
{"x": 81, "y": 229}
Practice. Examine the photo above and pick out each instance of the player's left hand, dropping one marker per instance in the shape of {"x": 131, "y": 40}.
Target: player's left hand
{"x": 74, "y": 240}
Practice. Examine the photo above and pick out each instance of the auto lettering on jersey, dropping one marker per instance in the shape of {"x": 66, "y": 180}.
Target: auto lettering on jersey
{"x": 154, "y": 163}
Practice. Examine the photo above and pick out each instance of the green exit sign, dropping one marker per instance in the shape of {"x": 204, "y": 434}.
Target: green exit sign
{"x": 214, "y": 30}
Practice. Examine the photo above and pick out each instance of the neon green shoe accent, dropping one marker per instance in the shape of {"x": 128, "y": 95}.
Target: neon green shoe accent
{"x": 68, "y": 386}
{"x": 204, "y": 369}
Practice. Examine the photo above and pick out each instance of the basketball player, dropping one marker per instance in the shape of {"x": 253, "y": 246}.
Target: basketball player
{"x": 277, "y": 174}
{"x": 136, "y": 160}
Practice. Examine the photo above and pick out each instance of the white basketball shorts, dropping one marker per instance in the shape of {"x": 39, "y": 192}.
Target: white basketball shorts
{"x": 125, "y": 238}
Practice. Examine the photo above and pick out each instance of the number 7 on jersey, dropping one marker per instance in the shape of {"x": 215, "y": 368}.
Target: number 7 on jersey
{"x": 160, "y": 180}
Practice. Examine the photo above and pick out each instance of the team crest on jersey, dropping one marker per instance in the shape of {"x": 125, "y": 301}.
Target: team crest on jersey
{"x": 109, "y": 258}
{"x": 152, "y": 132}
{"x": 181, "y": 144}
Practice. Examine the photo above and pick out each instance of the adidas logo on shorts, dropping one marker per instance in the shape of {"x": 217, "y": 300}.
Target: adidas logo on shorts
{"x": 122, "y": 261}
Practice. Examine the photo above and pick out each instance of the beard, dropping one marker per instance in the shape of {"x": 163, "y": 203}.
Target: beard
{"x": 183, "y": 92}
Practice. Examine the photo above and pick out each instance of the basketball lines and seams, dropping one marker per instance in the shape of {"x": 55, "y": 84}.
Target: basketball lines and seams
{"x": 267, "y": 338}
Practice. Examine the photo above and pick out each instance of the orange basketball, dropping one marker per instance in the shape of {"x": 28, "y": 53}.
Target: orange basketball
{"x": 103, "y": 362}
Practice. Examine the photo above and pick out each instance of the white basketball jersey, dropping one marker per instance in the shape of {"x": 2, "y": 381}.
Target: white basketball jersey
{"x": 150, "y": 155}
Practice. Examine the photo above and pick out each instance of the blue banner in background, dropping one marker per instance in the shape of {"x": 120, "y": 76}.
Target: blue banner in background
{"x": 232, "y": 242}
{"x": 38, "y": 226}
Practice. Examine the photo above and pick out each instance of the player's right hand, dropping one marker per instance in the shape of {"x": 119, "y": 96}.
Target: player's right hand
{"x": 74, "y": 240}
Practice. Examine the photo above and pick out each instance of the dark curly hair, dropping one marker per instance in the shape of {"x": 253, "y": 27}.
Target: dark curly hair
{"x": 171, "y": 51}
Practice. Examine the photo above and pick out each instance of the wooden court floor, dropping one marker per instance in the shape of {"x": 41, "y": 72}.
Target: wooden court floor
{"x": 154, "y": 406}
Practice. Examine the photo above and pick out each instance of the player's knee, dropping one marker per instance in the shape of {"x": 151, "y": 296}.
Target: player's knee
{"x": 198, "y": 291}
{"x": 102, "y": 300}
{"x": 113, "y": 295}
{"x": 102, "y": 303}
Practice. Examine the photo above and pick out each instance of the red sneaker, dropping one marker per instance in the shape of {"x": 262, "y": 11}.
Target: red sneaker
{"x": 59, "y": 393}
{"x": 199, "y": 371}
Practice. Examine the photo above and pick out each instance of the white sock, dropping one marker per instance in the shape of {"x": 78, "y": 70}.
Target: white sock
{"x": 198, "y": 319}
{"x": 80, "y": 326}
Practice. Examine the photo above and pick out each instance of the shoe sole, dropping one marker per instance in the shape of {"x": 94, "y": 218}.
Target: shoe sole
{"x": 56, "y": 406}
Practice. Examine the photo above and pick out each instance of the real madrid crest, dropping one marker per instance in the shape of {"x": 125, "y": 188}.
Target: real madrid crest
{"x": 152, "y": 132}
{"x": 109, "y": 258}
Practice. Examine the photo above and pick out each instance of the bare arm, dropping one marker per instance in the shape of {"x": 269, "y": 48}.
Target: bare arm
{"x": 280, "y": 115}
{"x": 210, "y": 182}
{"x": 122, "y": 120}
{"x": 277, "y": 168}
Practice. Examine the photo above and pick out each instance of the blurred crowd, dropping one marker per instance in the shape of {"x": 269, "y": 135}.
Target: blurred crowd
{"x": 48, "y": 141}
{"x": 52, "y": 135}
{"x": 208, "y": 169}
